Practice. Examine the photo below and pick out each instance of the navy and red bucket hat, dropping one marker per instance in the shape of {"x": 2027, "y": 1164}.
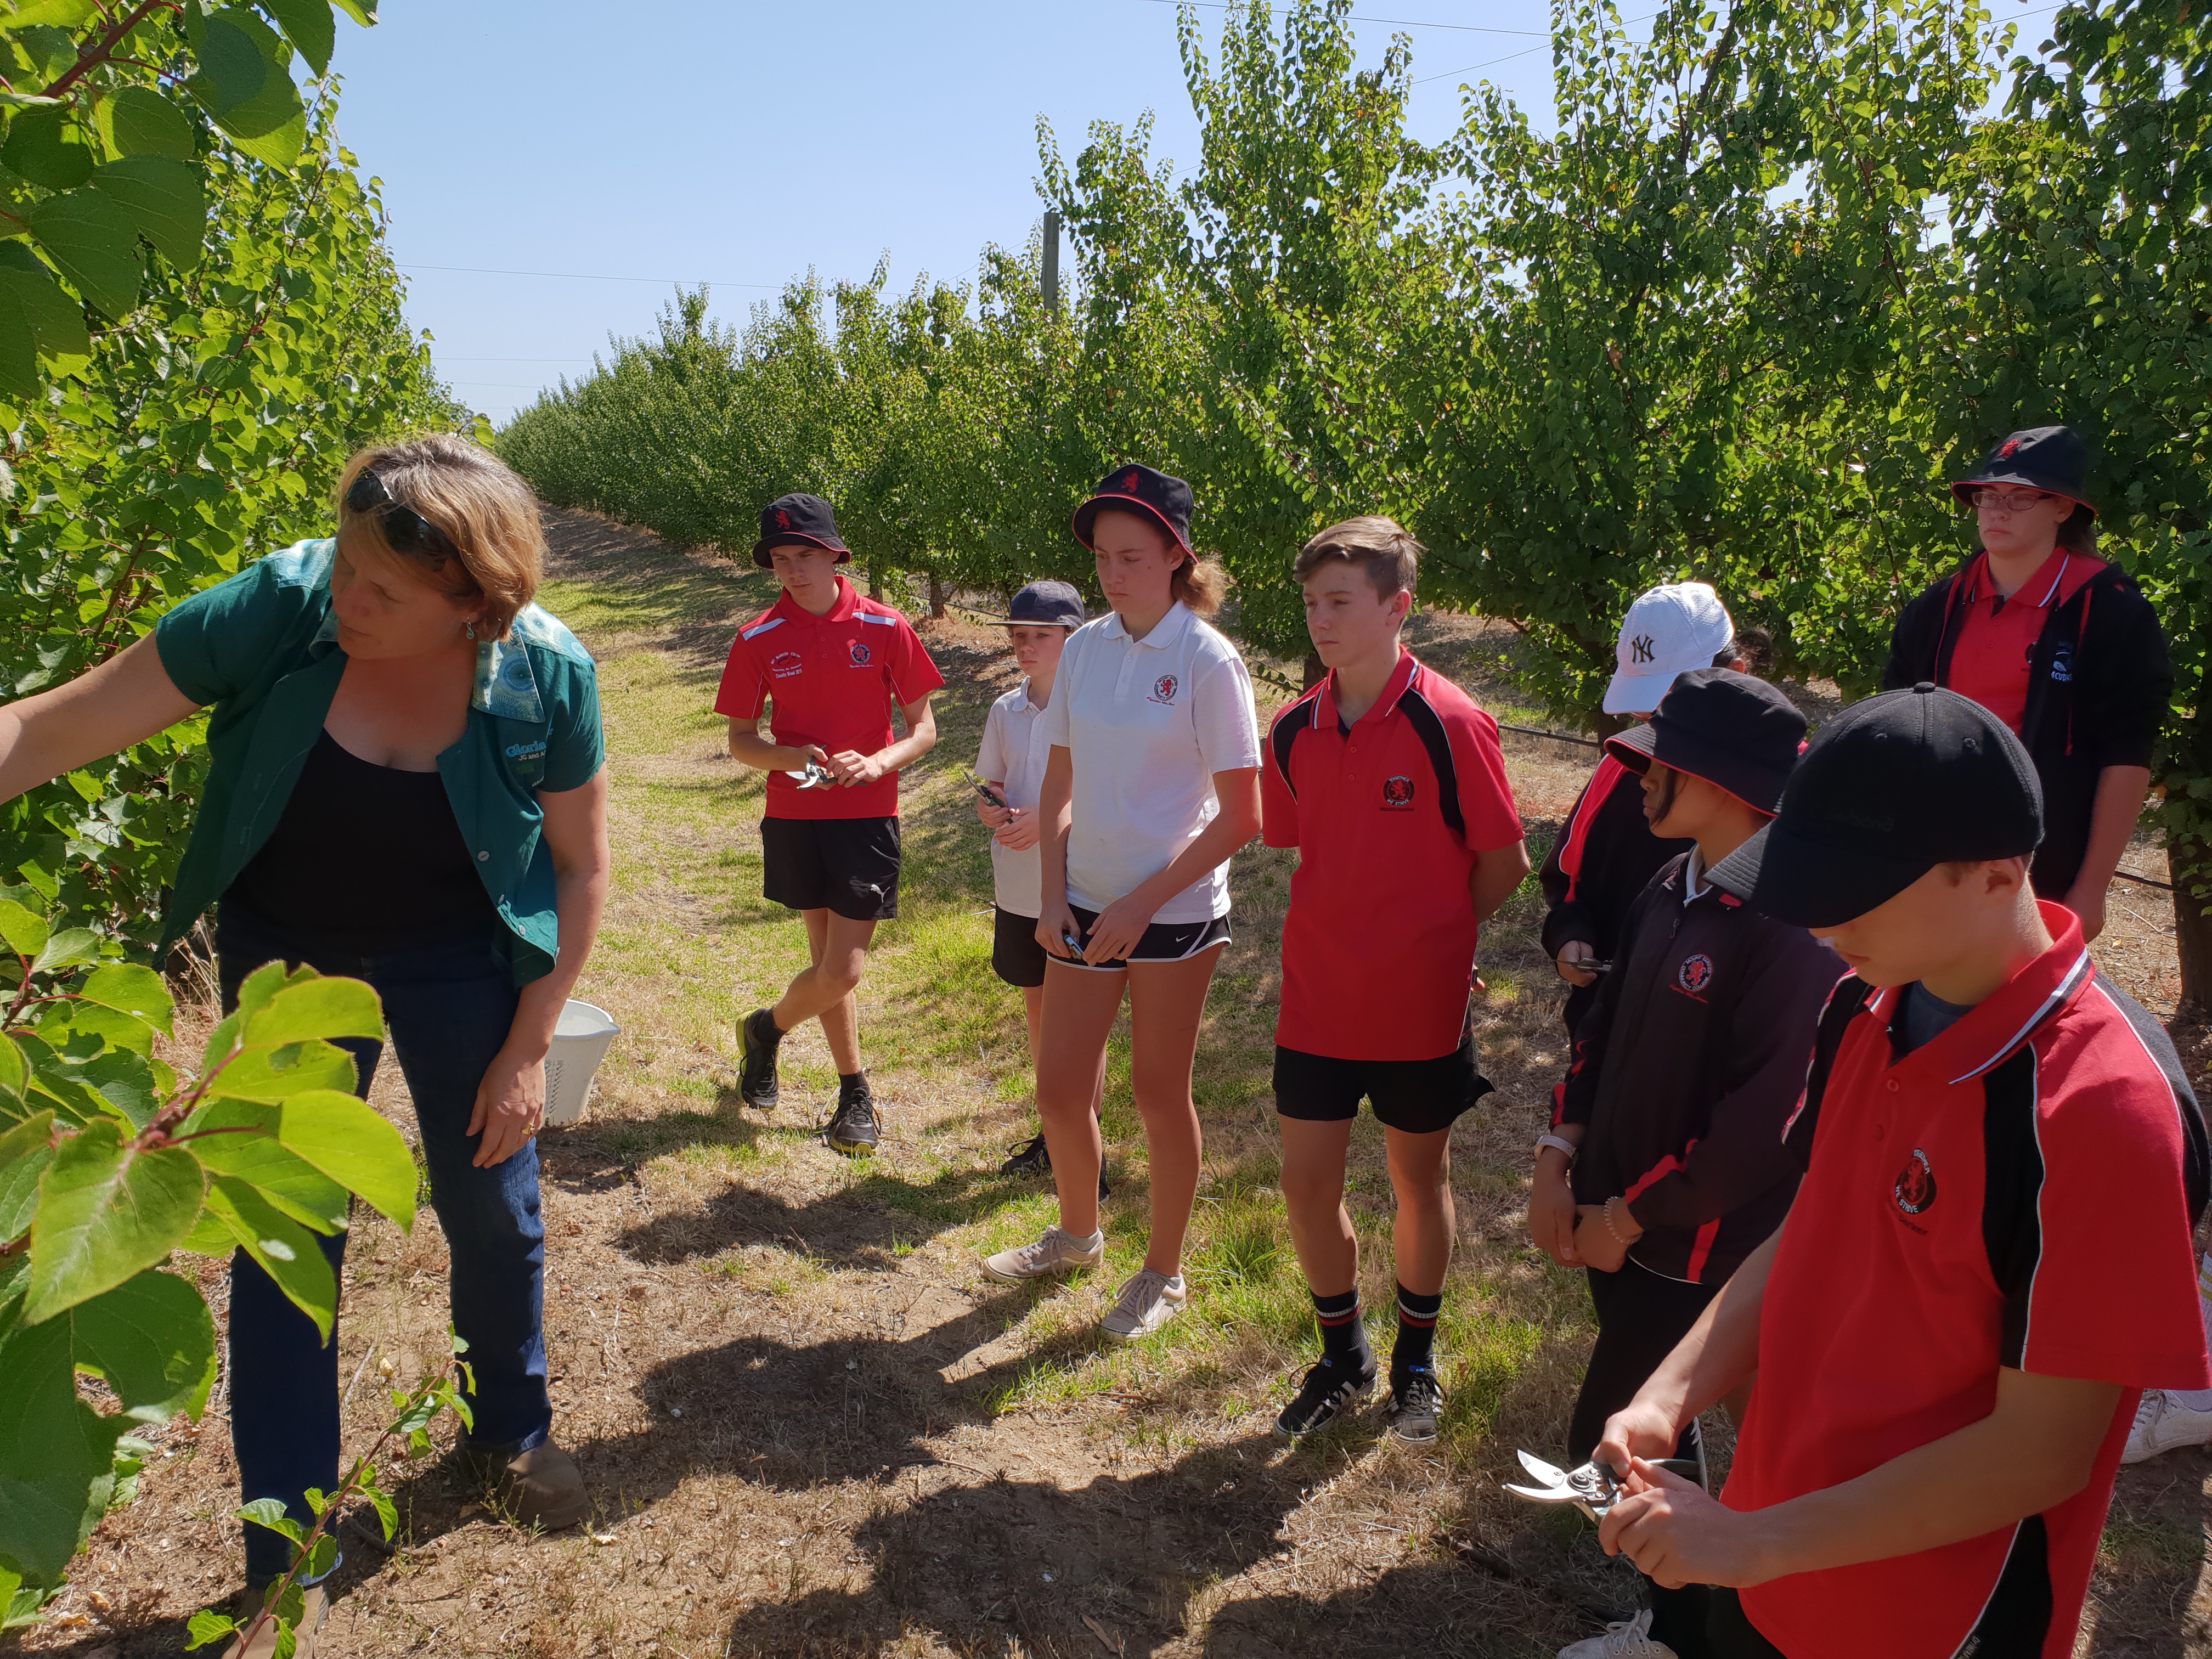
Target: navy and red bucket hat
{"x": 2051, "y": 458}
{"x": 1145, "y": 492}
{"x": 798, "y": 517}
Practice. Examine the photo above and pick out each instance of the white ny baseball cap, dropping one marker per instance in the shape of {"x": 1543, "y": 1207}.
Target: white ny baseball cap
{"x": 1670, "y": 629}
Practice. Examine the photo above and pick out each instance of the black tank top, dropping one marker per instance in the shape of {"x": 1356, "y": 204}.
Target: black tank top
{"x": 367, "y": 858}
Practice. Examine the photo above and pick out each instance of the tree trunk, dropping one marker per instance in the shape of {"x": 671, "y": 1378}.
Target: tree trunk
{"x": 1314, "y": 672}
{"x": 2193, "y": 928}
{"x": 939, "y": 593}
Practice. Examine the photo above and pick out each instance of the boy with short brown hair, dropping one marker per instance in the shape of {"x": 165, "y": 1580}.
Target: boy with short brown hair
{"x": 1388, "y": 781}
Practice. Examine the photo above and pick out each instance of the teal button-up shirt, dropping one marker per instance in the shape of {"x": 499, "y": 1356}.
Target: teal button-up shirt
{"x": 262, "y": 648}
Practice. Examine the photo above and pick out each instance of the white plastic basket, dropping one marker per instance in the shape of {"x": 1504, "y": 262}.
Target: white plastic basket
{"x": 579, "y": 1044}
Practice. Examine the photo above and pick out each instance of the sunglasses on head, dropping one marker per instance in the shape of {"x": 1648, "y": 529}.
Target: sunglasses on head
{"x": 406, "y": 530}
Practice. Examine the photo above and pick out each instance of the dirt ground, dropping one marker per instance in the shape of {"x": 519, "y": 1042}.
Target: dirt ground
{"x": 812, "y": 1427}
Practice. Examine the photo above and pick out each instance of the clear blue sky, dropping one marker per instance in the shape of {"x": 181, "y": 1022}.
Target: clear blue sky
{"x": 745, "y": 143}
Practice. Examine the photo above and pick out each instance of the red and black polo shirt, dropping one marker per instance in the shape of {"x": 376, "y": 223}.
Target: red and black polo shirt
{"x": 1389, "y": 816}
{"x": 2020, "y": 1192}
{"x": 1997, "y": 634}
{"x": 833, "y": 680}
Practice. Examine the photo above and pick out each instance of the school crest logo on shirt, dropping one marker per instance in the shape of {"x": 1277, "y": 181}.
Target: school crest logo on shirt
{"x": 1915, "y": 1190}
{"x": 1398, "y": 794}
{"x": 784, "y": 663}
{"x": 1695, "y": 974}
{"x": 2062, "y": 661}
{"x": 1163, "y": 689}
{"x": 858, "y": 651}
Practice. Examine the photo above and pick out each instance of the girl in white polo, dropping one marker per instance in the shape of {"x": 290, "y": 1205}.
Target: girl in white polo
{"x": 1153, "y": 781}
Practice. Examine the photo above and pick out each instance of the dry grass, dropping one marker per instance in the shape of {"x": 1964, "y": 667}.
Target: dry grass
{"x": 812, "y": 1428}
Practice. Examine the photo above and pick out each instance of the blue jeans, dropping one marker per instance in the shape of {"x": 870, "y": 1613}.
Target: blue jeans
{"x": 449, "y": 1008}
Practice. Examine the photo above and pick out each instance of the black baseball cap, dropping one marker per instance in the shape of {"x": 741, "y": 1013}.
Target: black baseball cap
{"x": 1138, "y": 489}
{"x": 1888, "y": 790}
{"x": 1045, "y": 604}
{"x": 1734, "y": 732}
{"x": 797, "y": 518}
{"x": 2051, "y": 458}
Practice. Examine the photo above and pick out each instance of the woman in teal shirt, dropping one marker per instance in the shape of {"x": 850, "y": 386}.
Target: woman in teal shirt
{"x": 405, "y": 787}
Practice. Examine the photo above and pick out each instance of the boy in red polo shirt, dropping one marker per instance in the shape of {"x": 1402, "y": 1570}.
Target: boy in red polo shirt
{"x": 1388, "y": 781}
{"x": 1989, "y": 1253}
{"x": 833, "y": 664}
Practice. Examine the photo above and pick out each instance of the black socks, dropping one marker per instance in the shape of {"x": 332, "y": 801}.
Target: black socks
{"x": 852, "y": 1083}
{"x": 1416, "y": 1332}
{"x": 1343, "y": 1332}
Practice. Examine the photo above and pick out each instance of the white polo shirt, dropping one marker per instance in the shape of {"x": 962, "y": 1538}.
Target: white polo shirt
{"x": 1015, "y": 750}
{"x": 1147, "y": 723}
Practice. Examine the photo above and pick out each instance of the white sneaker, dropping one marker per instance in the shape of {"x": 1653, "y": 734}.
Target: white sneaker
{"x": 2161, "y": 1424}
{"x": 1147, "y": 1303}
{"x": 1630, "y": 1639}
{"x": 1055, "y": 1253}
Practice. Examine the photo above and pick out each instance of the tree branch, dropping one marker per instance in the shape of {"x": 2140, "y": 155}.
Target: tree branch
{"x": 91, "y": 56}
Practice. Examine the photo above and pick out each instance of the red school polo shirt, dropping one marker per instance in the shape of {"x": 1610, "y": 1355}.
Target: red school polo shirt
{"x": 833, "y": 680}
{"x": 1379, "y": 943}
{"x": 1995, "y": 647}
{"x": 2011, "y": 1193}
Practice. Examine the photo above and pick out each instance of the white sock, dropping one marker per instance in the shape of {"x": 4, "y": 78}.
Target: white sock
{"x": 2200, "y": 1400}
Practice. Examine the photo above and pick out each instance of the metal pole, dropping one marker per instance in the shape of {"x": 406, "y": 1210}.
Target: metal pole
{"x": 1052, "y": 263}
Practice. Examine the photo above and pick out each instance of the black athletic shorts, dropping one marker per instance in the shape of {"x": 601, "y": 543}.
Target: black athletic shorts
{"x": 1416, "y": 1096}
{"x": 1163, "y": 941}
{"x": 1016, "y": 956}
{"x": 849, "y": 867}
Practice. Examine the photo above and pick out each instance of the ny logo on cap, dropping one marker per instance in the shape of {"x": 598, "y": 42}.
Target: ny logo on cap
{"x": 1639, "y": 648}
{"x": 782, "y": 519}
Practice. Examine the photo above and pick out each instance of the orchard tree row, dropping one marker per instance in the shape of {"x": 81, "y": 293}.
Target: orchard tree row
{"x": 1759, "y": 283}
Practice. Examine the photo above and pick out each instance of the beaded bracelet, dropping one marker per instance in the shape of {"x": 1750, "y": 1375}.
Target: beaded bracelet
{"x": 1607, "y": 1210}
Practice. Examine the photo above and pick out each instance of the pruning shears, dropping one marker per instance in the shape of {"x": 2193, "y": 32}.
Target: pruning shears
{"x": 813, "y": 775}
{"x": 1592, "y": 1488}
{"x": 983, "y": 788}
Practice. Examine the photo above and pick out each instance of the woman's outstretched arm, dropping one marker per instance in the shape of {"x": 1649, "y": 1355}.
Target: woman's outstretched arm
{"x": 125, "y": 700}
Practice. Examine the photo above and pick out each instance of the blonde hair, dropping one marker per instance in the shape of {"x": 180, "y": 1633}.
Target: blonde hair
{"x": 476, "y": 502}
{"x": 1381, "y": 546}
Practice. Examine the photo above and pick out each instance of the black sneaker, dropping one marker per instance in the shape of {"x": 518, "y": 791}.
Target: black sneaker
{"x": 1030, "y": 1158}
{"x": 1027, "y": 1159}
{"x": 1415, "y": 1400}
{"x": 758, "y": 1037}
{"x": 852, "y": 1129}
{"x": 1328, "y": 1392}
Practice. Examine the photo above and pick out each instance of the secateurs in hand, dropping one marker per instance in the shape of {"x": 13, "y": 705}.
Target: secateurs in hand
{"x": 1592, "y": 1488}
{"x": 812, "y": 775}
{"x": 983, "y": 788}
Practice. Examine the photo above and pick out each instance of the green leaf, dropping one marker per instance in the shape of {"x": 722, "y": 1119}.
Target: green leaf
{"x": 270, "y": 1512}
{"x": 57, "y": 1453}
{"x": 139, "y": 121}
{"x": 152, "y": 1340}
{"x": 164, "y": 199}
{"x": 24, "y": 931}
{"x": 45, "y": 146}
{"x": 245, "y": 84}
{"x": 57, "y": 14}
{"x": 362, "y": 12}
{"x": 209, "y": 1236}
{"x": 106, "y": 1212}
{"x": 133, "y": 989}
{"x": 308, "y": 25}
{"x": 124, "y": 1084}
{"x": 14, "y": 1071}
{"x": 68, "y": 949}
{"x": 349, "y": 1141}
{"x": 76, "y": 1026}
{"x": 289, "y": 1069}
{"x": 204, "y": 1627}
{"x": 247, "y": 1146}
{"x": 25, "y": 1152}
{"x": 96, "y": 245}
{"x": 313, "y": 1008}
{"x": 285, "y": 1250}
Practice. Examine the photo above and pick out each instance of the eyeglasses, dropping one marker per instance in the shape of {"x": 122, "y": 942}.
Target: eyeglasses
{"x": 1994, "y": 501}
{"x": 406, "y": 530}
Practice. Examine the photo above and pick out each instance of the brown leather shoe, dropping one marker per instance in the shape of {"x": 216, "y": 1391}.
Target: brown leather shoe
{"x": 313, "y": 1609}
{"x": 541, "y": 1487}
